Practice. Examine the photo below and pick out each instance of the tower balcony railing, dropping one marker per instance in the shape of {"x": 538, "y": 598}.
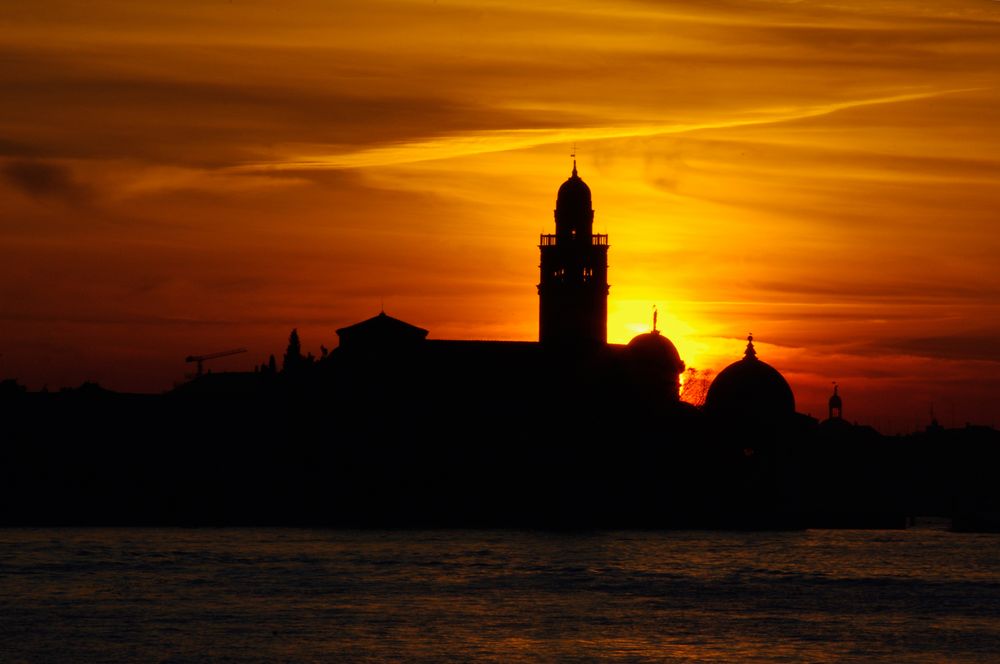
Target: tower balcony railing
{"x": 549, "y": 240}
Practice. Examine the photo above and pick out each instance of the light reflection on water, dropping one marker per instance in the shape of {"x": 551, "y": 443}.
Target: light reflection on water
{"x": 921, "y": 595}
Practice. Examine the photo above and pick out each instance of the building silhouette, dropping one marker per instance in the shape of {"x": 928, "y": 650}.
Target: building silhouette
{"x": 573, "y": 286}
{"x": 390, "y": 364}
{"x": 572, "y": 357}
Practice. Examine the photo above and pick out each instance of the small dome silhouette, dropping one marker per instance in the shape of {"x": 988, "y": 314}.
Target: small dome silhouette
{"x": 656, "y": 352}
{"x": 574, "y": 194}
{"x": 751, "y": 388}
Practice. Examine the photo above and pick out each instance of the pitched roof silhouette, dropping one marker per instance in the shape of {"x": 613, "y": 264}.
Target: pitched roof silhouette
{"x": 380, "y": 330}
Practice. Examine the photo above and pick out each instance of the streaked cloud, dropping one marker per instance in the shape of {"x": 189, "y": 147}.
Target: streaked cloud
{"x": 821, "y": 173}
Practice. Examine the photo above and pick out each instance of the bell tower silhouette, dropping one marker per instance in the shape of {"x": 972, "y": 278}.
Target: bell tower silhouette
{"x": 836, "y": 405}
{"x": 573, "y": 288}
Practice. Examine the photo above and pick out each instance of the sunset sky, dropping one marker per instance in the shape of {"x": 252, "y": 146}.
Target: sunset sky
{"x": 190, "y": 176}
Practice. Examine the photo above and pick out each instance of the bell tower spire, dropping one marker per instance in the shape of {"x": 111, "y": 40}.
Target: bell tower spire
{"x": 573, "y": 287}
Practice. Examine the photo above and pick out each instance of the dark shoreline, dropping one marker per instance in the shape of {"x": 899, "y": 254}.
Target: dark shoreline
{"x": 300, "y": 458}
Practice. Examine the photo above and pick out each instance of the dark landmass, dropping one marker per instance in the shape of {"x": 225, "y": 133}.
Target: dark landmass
{"x": 415, "y": 441}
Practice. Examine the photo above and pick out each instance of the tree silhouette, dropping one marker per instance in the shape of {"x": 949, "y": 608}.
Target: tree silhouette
{"x": 695, "y": 386}
{"x": 293, "y": 354}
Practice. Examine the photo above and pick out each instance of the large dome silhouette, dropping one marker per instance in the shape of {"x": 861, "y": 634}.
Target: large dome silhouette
{"x": 750, "y": 387}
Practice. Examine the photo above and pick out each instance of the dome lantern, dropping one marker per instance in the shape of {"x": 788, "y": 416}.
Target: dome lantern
{"x": 574, "y": 208}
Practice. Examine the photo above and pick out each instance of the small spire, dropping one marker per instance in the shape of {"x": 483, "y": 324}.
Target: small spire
{"x": 573, "y": 154}
{"x": 655, "y": 314}
{"x": 750, "y": 352}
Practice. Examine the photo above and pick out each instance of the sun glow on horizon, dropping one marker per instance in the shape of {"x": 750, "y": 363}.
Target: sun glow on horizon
{"x": 625, "y": 322}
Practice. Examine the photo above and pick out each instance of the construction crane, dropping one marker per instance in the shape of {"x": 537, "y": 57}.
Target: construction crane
{"x": 211, "y": 356}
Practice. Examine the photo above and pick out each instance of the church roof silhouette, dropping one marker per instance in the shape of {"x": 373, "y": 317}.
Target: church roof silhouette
{"x": 380, "y": 331}
{"x": 572, "y": 355}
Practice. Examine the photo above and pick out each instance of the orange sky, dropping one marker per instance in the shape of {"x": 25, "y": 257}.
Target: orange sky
{"x": 197, "y": 176}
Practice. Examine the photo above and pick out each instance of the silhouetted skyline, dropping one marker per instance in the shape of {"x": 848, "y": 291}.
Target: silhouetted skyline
{"x": 182, "y": 179}
{"x": 391, "y": 428}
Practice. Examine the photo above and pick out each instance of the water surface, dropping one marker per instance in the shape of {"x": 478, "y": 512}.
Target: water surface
{"x": 920, "y": 595}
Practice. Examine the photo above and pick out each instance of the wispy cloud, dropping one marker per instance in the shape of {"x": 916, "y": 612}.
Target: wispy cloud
{"x": 486, "y": 142}
{"x": 45, "y": 180}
